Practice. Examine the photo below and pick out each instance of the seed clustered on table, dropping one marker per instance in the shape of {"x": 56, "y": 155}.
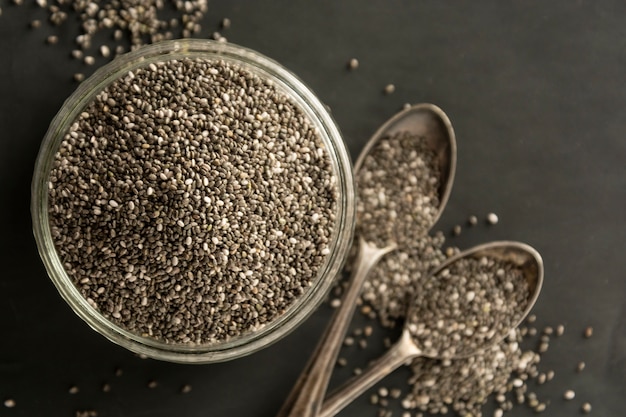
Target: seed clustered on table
{"x": 111, "y": 27}
{"x": 191, "y": 202}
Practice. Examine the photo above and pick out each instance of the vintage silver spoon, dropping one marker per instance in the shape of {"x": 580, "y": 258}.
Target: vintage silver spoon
{"x": 524, "y": 257}
{"x": 429, "y": 123}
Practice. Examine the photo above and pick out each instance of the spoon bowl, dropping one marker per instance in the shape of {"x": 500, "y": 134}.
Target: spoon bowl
{"x": 421, "y": 121}
{"x": 431, "y": 125}
{"x": 523, "y": 257}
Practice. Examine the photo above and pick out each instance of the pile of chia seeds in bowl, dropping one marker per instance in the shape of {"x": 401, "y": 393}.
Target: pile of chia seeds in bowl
{"x": 192, "y": 202}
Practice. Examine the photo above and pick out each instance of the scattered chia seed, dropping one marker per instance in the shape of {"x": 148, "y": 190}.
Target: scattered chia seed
{"x": 86, "y": 413}
{"x": 119, "y": 372}
{"x": 52, "y": 39}
{"x": 456, "y": 230}
{"x": 580, "y": 367}
{"x": 152, "y": 384}
{"x": 150, "y": 187}
{"x": 541, "y": 378}
{"x": 78, "y": 77}
{"x": 105, "y": 51}
{"x": 35, "y": 24}
{"x": 353, "y": 64}
{"x": 226, "y": 23}
{"x": 131, "y": 22}
{"x": 342, "y": 362}
{"x": 560, "y": 329}
{"x": 586, "y": 408}
{"x": 185, "y": 389}
{"x": 106, "y": 387}
{"x": 569, "y": 394}
{"x": 389, "y": 89}
{"x": 73, "y": 389}
{"x": 89, "y": 60}
{"x": 492, "y": 218}
{"x": 588, "y": 332}
{"x": 9, "y": 403}
{"x": 472, "y": 220}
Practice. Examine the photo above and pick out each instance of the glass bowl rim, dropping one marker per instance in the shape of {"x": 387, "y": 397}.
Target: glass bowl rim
{"x": 290, "y": 85}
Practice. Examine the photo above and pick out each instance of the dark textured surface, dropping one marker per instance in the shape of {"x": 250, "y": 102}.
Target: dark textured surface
{"x": 536, "y": 92}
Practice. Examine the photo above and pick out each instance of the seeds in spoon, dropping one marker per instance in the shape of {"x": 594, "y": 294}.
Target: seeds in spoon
{"x": 398, "y": 200}
{"x": 398, "y": 191}
{"x": 466, "y": 305}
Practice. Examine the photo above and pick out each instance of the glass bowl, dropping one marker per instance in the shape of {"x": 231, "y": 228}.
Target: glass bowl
{"x": 301, "y": 96}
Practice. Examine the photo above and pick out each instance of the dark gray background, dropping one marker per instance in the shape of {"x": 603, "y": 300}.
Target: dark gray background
{"x": 536, "y": 93}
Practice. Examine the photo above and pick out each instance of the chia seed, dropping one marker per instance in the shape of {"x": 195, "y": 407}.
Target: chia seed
{"x": 560, "y": 329}
{"x": 9, "y": 403}
{"x": 586, "y": 408}
{"x": 192, "y": 202}
{"x": 353, "y": 64}
{"x": 492, "y": 218}
{"x": 569, "y": 395}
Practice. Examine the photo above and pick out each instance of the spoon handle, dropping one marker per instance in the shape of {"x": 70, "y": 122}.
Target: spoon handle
{"x": 307, "y": 395}
{"x": 402, "y": 351}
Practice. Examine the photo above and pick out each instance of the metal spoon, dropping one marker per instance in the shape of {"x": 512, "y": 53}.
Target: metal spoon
{"x": 406, "y": 348}
{"x": 429, "y": 123}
